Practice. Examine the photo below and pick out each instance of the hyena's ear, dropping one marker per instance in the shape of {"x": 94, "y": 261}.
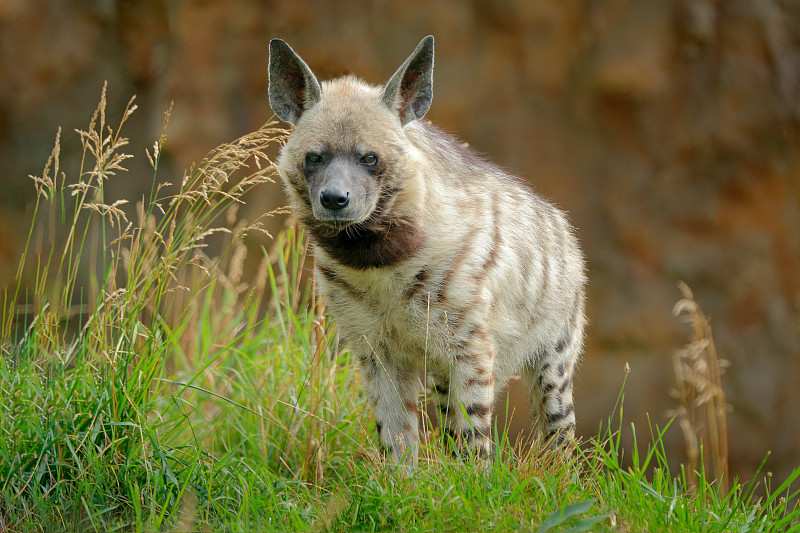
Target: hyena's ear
{"x": 410, "y": 89}
{"x": 292, "y": 87}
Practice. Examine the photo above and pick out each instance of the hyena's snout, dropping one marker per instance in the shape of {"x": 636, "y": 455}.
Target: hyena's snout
{"x": 342, "y": 193}
{"x": 334, "y": 199}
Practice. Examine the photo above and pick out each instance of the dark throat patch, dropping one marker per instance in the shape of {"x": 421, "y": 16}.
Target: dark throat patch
{"x": 387, "y": 243}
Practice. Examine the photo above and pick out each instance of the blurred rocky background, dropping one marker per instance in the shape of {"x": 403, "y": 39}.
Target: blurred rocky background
{"x": 669, "y": 130}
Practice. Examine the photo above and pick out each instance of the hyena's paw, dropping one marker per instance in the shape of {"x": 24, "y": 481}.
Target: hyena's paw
{"x": 399, "y": 448}
{"x": 470, "y": 443}
{"x": 562, "y": 438}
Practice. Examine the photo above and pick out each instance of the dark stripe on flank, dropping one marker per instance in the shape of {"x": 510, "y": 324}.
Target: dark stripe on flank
{"x": 463, "y": 356}
{"x": 486, "y": 382}
{"x": 491, "y": 259}
{"x": 478, "y": 409}
{"x": 463, "y": 252}
{"x": 419, "y": 283}
{"x": 462, "y": 343}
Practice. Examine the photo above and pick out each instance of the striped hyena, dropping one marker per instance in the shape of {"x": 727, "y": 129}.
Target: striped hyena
{"x": 430, "y": 258}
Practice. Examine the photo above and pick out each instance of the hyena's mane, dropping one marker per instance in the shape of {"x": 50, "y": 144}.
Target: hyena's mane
{"x": 446, "y": 146}
{"x": 465, "y": 163}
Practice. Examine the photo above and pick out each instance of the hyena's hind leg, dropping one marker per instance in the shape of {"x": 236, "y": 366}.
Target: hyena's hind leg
{"x": 549, "y": 382}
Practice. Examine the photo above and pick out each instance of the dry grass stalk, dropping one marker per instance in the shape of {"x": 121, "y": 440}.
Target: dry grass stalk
{"x": 702, "y": 406}
{"x": 148, "y": 272}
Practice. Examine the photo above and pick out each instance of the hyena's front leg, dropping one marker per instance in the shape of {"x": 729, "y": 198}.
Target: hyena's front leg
{"x": 465, "y": 394}
{"x": 394, "y": 390}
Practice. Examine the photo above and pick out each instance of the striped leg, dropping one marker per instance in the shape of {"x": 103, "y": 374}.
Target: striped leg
{"x": 466, "y": 399}
{"x": 550, "y": 381}
{"x": 394, "y": 392}
{"x": 550, "y": 388}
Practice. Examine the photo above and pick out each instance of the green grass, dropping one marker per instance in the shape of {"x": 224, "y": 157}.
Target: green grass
{"x": 159, "y": 395}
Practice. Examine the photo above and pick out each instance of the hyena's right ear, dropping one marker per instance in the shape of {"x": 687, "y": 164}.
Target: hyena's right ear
{"x": 292, "y": 86}
{"x": 410, "y": 89}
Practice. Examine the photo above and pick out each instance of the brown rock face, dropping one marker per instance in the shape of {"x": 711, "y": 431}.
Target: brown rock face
{"x": 669, "y": 130}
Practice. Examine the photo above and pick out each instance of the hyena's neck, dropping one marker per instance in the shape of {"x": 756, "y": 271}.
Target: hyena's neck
{"x": 384, "y": 244}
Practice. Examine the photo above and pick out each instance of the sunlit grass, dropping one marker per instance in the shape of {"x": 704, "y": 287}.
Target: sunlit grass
{"x": 174, "y": 391}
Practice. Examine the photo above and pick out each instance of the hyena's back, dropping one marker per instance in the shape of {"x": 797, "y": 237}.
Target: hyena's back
{"x": 430, "y": 258}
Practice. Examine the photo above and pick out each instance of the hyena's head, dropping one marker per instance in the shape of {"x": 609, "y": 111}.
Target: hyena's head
{"x": 347, "y": 161}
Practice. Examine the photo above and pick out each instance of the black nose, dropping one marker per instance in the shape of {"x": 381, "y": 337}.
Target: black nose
{"x": 334, "y": 199}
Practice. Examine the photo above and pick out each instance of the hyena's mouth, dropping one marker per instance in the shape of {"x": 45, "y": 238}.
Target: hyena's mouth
{"x": 353, "y": 229}
{"x": 340, "y": 218}
{"x": 336, "y": 222}
{"x": 335, "y": 226}
{"x": 331, "y": 228}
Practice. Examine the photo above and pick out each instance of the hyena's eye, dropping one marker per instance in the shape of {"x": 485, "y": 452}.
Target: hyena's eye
{"x": 313, "y": 158}
{"x": 368, "y": 159}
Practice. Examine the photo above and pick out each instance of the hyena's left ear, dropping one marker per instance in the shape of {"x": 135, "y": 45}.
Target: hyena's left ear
{"x": 410, "y": 89}
{"x": 293, "y": 88}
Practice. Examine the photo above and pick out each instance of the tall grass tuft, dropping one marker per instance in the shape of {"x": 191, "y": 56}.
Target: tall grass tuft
{"x": 702, "y": 408}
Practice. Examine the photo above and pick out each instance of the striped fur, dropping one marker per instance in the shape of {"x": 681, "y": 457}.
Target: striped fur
{"x": 440, "y": 262}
